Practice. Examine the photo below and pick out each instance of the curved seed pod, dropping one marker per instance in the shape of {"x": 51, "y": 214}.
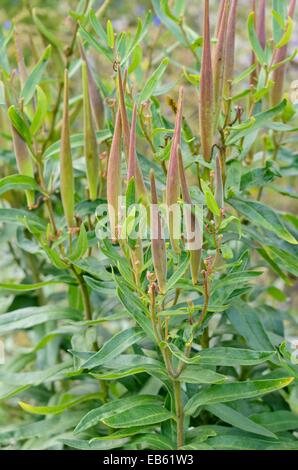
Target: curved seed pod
{"x": 191, "y": 225}
{"x": 218, "y": 63}
{"x": 230, "y": 50}
{"x": 140, "y": 185}
{"x": 279, "y": 73}
{"x": 95, "y": 97}
{"x": 173, "y": 184}
{"x": 206, "y": 103}
{"x": 23, "y": 158}
{"x": 261, "y": 24}
{"x": 114, "y": 177}
{"x": 90, "y": 144}
{"x": 219, "y": 191}
{"x": 66, "y": 169}
{"x": 158, "y": 246}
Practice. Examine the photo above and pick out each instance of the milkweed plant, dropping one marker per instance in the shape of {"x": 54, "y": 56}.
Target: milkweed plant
{"x": 148, "y": 228}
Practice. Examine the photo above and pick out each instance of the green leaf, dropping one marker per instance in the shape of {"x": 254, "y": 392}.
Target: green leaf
{"x": 238, "y": 420}
{"x": 180, "y": 271}
{"x": 81, "y": 245}
{"x": 18, "y": 182}
{"x": 153, "y": 81}
{"x": 107, "y": 52}
{"x": 56, "y": 409}
{"x": 254, "y": 41}
{"x": 28, "y": 287}
{"x": 277, "y": 421}
{"x": 22, "y": 217}
{"x": 154, "y": 442}
{"x": 113, "y": 347}
{"x": 41, "y": 111}
{"x": 234, "y": 391}
{"x": 31, "y": 316}
{"x": 224, "y": 356}
{"x": 210, "y": 199}
{"x": 76, "y": 141}
{"x": 245, "y": 442}
{"x": 199, "y": 375}
{"x": 37, "y": 377}
{"x": 35, "y": 76}
{"x": 142, "y": 415}
{"x": 259, "y": 121}
{"x": 110, "y": 34}
{"x": 263, "y": 216}
{"x": 287, "y": 34}
{"x": 113, "y": 408}
{"x": 81, "y": 444}
{"x": 248, "y": 324}
{"x": 19, "y": 124}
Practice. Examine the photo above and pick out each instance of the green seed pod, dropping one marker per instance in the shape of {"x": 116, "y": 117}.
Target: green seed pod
{"x": 66, "y": 170}
{"x": 140, "y": 185}
{"x": 95, "y": 97}
{"x": 219, "y": 190}
{"x": 206, "y": 102}
{"x": 218, "y": 64}
{"x": 173, "y": 185}
{"x": 91, "y": 147}
{"x": 114, "y": 177}
{"x": 158, "y": 246}
{"x": 191, "y": 225}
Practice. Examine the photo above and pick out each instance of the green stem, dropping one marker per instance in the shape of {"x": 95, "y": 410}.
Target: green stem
{"x": 179, "y": 413}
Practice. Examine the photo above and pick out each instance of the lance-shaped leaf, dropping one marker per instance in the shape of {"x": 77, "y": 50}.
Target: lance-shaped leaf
{"x": 114, "y": 177}
{"x": 35, "y": 76}
{"x": 218, "y": 63}
{"x": 158, "y": 246}
{"x": 218, "y": 182}
{"x": 230, "y": 50}
{"x": 261, "y": 23}
{"x": 23, "y": 158}
{"x": 206, "y": 103}
{"x": 280, "y": 55}
{"x": 95, "y": 97}
{"x": 173, "y": 184}
{"x": 66, "y": 169}
{"x": 139, "y": 181}
{"x": 90, "y": 144}
{"x": 193, "y": 227}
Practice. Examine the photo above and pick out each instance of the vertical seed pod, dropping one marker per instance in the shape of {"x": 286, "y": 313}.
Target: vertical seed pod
{"x": 114, "y": 177}
{"x": 218, "y": 64}
{"x": 140, "y": 185}
{"x": 95, "y": 97}
{"x": 194, "y": 237}
{"x": 158, "y": 246}
{"x": 261, "y": 23}
{"x": 173, "y": 184}
{"x": 90, "y": 144}
{"x": 132, "y": 159}
{"x": 279, "y": 73}
{"x": 230, "y": 50}
{"x": 253, "y": 79}
{"x": 20, "y": 58}
{"x": 219, "y": 17}
{"x": 23, "y": 158}
{"x": 66, "y": 170}
{"x": 206, "y": 103}
{"x": 218, "y": 181}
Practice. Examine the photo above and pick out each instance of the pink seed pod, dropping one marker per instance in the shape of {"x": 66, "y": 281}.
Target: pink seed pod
{"x": 114, "y": 177}
{"x": 132, "y": 158}
{"x": 90, "y": 143}
{"x": 261, "y": 23}
{"x": 218, "y": 63}
{"x": 206, "y": 102}
{"x": 66, "y": 170}
{"x": 140, "y": 185}
{"x": 279, "y": 73}
{"x": 193, "y": 237}
{"x": 158, "y": 246}
{"x": 173, "y": 184}
{"x": 95, "y": 98}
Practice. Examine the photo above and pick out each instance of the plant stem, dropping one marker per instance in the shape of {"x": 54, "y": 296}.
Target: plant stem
{"x": 179, "y": 413}
{"x": 85, "y": 294}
